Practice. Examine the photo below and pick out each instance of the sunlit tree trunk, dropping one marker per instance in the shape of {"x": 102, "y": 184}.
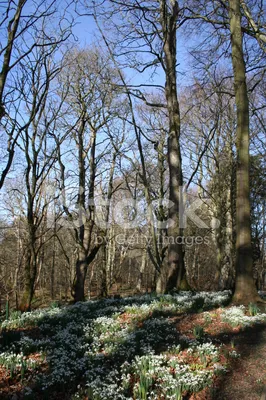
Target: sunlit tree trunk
{"x": 86, "y": 253}
{"x": 245, "y": 289}
{"x": 106, "y": 262}
{"x": 142, "y": 271}
{"x": 176, "y": 267}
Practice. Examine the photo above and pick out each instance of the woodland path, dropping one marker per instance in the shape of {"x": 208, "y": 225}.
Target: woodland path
{"x": 247, "y": 378}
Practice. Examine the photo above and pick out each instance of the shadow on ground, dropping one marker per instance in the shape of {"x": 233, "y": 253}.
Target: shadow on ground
{"x": 242, "y": 381}
{"x": 246, "y": 378}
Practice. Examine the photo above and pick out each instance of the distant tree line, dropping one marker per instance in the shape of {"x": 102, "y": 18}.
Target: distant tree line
{"x": 114, "y": 182}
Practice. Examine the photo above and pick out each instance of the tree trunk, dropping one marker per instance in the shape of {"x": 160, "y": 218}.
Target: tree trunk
{"x": 81, "y": 271}
{"x": 53, "y": 267}
{"x": 86, "y": 253}
{"x": 30, "y": 278}
{"x": 110, "y": 258}
{"x": 228, "y": 259}
{"x": 176, "y": 266}
{"x": 107, "y": 234}
{"x": 141, "y": 271}
{"x": 82, "y": 264}
{"x": 245, "y": 289}
{"x": 103, "y": 273}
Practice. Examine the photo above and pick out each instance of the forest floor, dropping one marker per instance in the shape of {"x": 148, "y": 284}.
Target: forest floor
{"x": 50, "y": 343}
{"x": 246, "y": 376}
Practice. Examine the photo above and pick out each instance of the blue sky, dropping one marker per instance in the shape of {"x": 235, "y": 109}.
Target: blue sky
{"x": 87, "y": 33}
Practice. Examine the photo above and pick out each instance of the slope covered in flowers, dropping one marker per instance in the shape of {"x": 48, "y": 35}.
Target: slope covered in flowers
{"x": 133, "y": 348}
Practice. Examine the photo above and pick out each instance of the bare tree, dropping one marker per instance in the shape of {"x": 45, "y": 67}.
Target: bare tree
{"x": 90, "y": 100}
{"x": 25, "y": 26}
{"x": 147, "y": 41}
{"x": 37, "y": 72}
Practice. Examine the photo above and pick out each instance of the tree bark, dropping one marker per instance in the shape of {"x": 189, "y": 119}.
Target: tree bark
{"x": 86, "y": 254}
{"x": 142, "y": 271}
{"x": 12, "y": 30}
{"x": 245, "y": 289}
{"x": 176, "y": 267}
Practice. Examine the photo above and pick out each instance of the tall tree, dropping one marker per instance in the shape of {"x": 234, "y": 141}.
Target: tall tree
{"x": 39, "y": 150}
{"x": 245, "y": 289}
{"x": 169, "y": 14}
{"x": 90, "y": 104}
{"x": 151, "y": 29}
